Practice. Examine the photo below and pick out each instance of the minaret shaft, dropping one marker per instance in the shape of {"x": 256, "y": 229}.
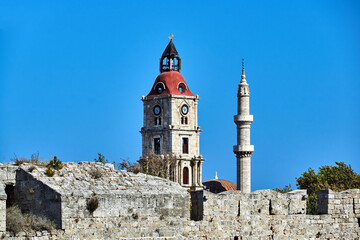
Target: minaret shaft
{"x": 243, "y": 149}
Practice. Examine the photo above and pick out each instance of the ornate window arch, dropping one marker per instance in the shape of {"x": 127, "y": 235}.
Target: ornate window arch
{"x": 182, "y": 87}
{"x": 185, "y": 175}
{"x": 159, "y": 87}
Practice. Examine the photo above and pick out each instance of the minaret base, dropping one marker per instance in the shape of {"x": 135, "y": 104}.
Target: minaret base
{"x": 243, "y": 172}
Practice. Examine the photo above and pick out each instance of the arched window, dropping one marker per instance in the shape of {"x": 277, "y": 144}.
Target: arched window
{"x": 159, "y": 87}
{"x": 181, "y": 87}
{"x": 157, "y": 121}
{"x": 185, "y": 175}
{"x": 185, "y": 145}
{"x": 157, "y": 145}
{"x": 184, "y": 120}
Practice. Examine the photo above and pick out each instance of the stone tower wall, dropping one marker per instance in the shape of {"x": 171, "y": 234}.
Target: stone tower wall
{"x": 171, "y": 130}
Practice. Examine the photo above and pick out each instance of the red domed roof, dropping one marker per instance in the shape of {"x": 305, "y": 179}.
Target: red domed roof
{"x": 219, "y": 185}
{"x": 171, "y": 83}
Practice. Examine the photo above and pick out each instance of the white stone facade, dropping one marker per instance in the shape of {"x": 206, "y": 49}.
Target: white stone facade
{"x": 172, "y": 132}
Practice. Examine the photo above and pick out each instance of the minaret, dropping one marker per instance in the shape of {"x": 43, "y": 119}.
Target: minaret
{"x": 243, "y": 149}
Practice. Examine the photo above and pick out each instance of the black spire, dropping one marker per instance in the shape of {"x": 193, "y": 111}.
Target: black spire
{"x": 170, "y": 60}
{"x": 170, "y": 51}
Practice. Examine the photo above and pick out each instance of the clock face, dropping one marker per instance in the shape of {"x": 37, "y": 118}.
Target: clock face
{"x": 157, "y": 110}
{"x": 184, "y": 109}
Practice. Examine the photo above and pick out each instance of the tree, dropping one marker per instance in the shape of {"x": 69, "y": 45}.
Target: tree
{"x": 285, "y": 189}
{"x": 337, "y": 178}
{"x": 153, "y": 164}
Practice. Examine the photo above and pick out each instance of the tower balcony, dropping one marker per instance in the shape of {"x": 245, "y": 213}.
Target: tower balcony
{"x": 243, "y": 118}
{"x": 243, "y": 148}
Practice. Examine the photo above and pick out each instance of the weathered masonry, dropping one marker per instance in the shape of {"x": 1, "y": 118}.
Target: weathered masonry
{"x": 171, "y": 123}
{"x": 138, "y": 206}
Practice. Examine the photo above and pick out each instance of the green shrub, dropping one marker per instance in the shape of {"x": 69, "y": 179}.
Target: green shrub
{"x": 15, "y": 221}
{"x": 55, "y": 164}
{"x": 49, "y": 172}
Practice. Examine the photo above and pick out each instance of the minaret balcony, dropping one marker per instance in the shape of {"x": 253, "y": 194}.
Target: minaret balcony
{"x": 243, "y": 118}
{"x": 243, "y": 148}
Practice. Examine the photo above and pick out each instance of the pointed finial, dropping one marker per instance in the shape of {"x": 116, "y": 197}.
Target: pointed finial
{"x": 243, "y": 77}
{"x": 216, "y": 177}
{"x": 171, "y": 36}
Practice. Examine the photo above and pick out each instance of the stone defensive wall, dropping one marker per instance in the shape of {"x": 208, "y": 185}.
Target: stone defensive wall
{"x": 139, "y": 206}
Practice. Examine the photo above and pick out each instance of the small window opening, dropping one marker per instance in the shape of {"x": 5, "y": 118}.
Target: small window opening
{"x": 185, "y": 175}
{"x": 185, "y": 145}
{"x": 157, "y": 145}
{"x": 181, "y": 90}
{"x": 157, "y": 121}
{"x": 184, "y": 120}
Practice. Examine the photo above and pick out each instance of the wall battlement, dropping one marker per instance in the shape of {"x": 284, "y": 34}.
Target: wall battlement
{"x": 138, "y": 206}
{"x": 339, "y": 203}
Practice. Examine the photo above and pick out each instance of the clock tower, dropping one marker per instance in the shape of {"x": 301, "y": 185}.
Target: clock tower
{"x": 170, "y": 122}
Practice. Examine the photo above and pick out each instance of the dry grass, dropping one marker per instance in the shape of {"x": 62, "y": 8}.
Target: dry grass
{"x": 96, "y": 173}
{"x": 17, "y": 222}
{"x": 34, "y": 159}
{"x": 38, "y": 223}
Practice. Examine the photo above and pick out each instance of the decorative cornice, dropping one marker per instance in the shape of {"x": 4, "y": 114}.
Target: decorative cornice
{"x": 243, "y": 154}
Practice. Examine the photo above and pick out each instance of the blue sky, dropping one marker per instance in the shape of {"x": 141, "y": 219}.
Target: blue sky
{"x": 72, "y": 74}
